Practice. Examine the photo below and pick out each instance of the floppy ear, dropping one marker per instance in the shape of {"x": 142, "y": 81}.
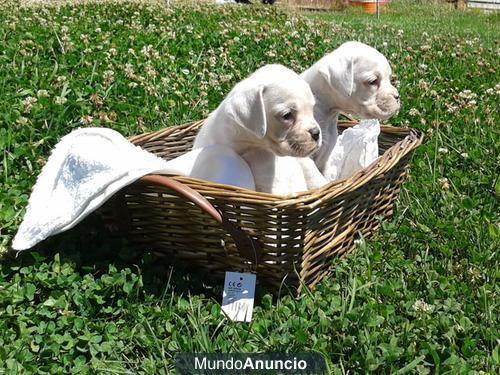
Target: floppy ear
{"x": 338, "y": 72}
{"x": 246, "y": 107}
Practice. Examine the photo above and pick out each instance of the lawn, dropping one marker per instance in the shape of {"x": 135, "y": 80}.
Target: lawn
{"x": 421, "y": 297}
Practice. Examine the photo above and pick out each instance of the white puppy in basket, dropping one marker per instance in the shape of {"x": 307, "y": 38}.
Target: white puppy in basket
{"x": 268, "y": 120}
{"x": 355, "y": 79}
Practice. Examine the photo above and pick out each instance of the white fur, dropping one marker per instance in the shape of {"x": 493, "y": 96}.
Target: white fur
{"x": 340, "y": 82}
{"x": 252, "y": 121}
{"x": 216, "y": 163}
{"x": 282, "y": 175}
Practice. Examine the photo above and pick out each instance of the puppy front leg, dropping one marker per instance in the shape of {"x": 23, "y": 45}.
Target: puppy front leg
{"x": 330, "y": 135}
{"x": 313, "y": 177}
{"x": 262, "y": 163}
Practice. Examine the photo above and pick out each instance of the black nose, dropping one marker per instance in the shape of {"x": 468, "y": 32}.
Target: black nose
{"x": 396, "y": 96}
{"x": 315, "y": 132}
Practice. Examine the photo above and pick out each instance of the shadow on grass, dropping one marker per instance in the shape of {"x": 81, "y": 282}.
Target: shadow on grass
{"x": 92, "y": 249}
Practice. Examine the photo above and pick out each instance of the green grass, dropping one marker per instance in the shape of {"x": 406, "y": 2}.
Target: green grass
{"x": 421, "y": 297}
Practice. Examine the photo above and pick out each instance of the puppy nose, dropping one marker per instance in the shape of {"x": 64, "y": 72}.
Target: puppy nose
{"x": 315, "y": 132}
{"x": 396, "y": 96}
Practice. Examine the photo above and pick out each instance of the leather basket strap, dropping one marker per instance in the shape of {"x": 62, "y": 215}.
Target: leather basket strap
{"x": 248, "y": 247}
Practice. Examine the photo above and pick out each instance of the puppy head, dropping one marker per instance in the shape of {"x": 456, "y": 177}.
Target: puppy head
{"x": 275, "y": 107}
{"x": 361, "y": 76}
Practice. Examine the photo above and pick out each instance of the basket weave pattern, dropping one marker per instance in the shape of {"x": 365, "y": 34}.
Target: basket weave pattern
{"x": 298, "y": 234}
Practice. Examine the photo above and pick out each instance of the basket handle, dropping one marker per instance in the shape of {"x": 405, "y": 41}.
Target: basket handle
{"x": 247, "y": 246}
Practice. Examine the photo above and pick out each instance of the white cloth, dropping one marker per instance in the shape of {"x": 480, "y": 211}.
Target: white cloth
{"x": 89, "y": 165}
{"x": 356, "y": 148}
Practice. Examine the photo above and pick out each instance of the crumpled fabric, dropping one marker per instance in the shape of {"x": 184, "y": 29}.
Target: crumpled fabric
{"x": 356, "y": 148}
{"x": 89, "y": 165}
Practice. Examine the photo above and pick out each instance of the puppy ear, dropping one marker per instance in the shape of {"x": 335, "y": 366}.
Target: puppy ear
{"x": 246, "y": 107}
{"x": 338, "y": 73}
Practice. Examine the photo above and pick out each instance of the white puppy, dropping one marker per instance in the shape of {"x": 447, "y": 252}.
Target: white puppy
{"x": 356, "y": 79}
{"x": 215, "y": 163}
{"x": 266, "y": 116}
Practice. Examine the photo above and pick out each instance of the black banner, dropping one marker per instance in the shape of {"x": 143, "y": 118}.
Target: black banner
{"x": 250, "y": 363}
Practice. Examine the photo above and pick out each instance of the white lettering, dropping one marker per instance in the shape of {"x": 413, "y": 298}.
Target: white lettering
{"x": 269, "y": 365}
{"x": 280, "y": 363}
{"x": 238, "y": 365}
{"x": 248, "y": 364}
{"x": 198, "y": 365}
{"x": 213, "y": 365}
{"x": 259, "y": 364}
{"x": 302, "y": 364}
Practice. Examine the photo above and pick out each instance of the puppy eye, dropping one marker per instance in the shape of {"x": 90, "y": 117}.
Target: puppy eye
{"x": 373, "y": 82}
{"x": 287, "y": 116}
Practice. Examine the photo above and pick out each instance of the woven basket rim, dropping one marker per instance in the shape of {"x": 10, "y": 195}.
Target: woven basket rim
{"x": 309, "y": 198}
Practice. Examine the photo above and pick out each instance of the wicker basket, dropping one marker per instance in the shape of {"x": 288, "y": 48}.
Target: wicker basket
{"x": 221, "y": 228}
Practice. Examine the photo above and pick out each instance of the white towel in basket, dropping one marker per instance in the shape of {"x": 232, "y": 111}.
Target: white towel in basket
{"x": 356, "y": 148}
{"x": 89, "y": 165}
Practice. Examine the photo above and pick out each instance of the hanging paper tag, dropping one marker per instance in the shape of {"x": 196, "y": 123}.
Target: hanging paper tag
{"x": 238, "y": 296}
